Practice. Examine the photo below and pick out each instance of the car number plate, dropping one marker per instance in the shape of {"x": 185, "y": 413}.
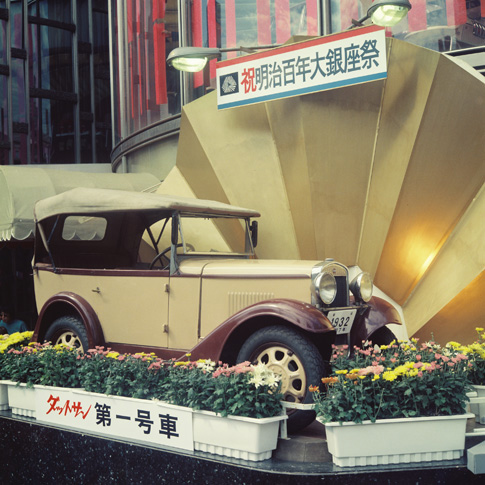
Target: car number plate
{"x": 342, "y": 320}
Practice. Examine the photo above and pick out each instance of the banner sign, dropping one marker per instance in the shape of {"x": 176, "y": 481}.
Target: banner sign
{"x": 351, "y": 57}
{"x": 144, "y": 421}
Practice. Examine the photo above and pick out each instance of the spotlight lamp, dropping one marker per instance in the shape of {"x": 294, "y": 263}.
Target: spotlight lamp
{"x": 194, "y": 59}
{"x": 385, "y": 13}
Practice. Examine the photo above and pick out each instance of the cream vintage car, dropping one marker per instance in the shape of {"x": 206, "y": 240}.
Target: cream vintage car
{"x": 171, "y": 275}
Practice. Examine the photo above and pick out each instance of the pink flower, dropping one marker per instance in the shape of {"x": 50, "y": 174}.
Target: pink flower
{"x": 418, "y": 357}
{"x": 393, "y": 360}
{"x": 451, "y": 364}
{"x": 374, "y": 369}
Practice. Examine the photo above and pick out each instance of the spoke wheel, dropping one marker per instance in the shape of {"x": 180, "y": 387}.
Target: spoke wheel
{"x": 70, "y": 339}
{"x": 68, "y": 330}
{"x": 293, "y": 356}
{"x": 284, "y": 362}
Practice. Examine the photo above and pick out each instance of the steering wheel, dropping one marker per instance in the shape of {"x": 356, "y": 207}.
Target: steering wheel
{"x": 165, "y": 251}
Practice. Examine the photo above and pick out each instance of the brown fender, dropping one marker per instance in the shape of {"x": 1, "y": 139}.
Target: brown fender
{"x": 297, "y": 313}
{"x": 73, "y": 304}
{"x": 379, "y": 314}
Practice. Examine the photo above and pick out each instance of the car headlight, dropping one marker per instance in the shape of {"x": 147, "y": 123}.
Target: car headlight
{"x": 362, "y": 287}
{"x": 326, "y": 286}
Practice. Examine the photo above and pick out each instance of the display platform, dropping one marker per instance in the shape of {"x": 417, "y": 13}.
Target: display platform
{"x": 31, "y": 452}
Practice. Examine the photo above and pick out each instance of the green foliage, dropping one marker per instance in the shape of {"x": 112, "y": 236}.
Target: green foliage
{"x": 476, "y": 356}
{"x": 395, "y": 381}
{"x": 241, "y": 390}
{"x": 42, "y": 364}
{"x": 14, "y": 341}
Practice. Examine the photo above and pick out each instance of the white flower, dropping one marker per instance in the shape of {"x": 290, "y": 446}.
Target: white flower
{"x": 206, "y": 365}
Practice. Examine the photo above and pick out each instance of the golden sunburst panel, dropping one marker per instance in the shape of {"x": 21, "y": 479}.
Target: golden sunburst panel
{"x": 387, "y": 175}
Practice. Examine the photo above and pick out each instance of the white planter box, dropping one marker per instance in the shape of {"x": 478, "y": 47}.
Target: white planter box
{"x": 21, "y": 399}
{"x": 401, "y": 440}
{"x": 236, "y": 436}
{"x": 137, "y": 420}
{"x": 478, "y": 409}
{"x": 4, "y": 395}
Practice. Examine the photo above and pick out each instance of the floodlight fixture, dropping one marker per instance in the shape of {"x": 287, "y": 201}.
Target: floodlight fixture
{"x": 385, "y": 13}
{"x": 194, "y": 59}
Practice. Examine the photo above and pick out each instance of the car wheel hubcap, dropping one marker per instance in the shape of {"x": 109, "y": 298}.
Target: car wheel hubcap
{"x": 286, "y": 364}
{"x": 70, "y": 339}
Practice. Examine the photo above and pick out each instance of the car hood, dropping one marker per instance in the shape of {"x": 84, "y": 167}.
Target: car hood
{"x": 245, "y": 267}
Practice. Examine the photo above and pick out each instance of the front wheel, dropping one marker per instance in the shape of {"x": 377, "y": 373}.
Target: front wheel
{"x": 295, "y": 358}
{"x": 69, "y": 331}
{"x": 382, "y": 336}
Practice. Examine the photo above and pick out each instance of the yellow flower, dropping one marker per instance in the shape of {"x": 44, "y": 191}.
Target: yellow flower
{"x": 389, "y": 376}
{"x": 113, "y": 355}
{"x": 343, "y": 371}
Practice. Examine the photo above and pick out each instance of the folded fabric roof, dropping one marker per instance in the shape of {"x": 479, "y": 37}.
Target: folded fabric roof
{"x": 21, "y": 187}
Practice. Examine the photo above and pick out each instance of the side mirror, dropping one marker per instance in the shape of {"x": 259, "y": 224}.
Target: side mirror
{"x": 254, "y": 233}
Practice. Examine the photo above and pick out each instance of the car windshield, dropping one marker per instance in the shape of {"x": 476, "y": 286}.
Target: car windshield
{"x": 214, "y": 235}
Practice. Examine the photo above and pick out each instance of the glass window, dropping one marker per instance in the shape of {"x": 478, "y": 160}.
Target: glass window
{"x": 440, "y": 25}
{"x": 84, "y": 228}
{"x": 16, "y": 24}
{"x": 52, "y": 131}
{"x": 86, "y": 141}
{"x": 103, "y": 120}
{"x": 20, "y": 148}
{"x": 228, "y": 23}
{"x": 152, "y": 92}
{"x": 17, "y": 69}
{"x": 82, "y": 27}
{"x": 4, "y": 138}
{"x": 119, "y": 76}
{"x": 3, "y": 109}
{"x": 51, "y": 58}
{"x": 3, "y": 42}
{"x": 214, "y": 230}
{"x": 59, "y": 10}
{"x": 4, "y": 156}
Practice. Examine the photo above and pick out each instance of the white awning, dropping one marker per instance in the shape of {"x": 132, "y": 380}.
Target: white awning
{"x": 21, "y": 187}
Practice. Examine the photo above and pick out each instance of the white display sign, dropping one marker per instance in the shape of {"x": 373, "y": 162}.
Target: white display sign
{"x": 133, "y": 419}
{"x": 351, "y": 57}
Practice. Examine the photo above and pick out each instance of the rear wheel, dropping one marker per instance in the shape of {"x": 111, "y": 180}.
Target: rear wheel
{"x": 295, "y": 358}
{"x": 69, "y": 331}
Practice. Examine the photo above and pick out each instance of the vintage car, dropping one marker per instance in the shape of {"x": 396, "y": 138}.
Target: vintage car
{"x": 172, "y": 275}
